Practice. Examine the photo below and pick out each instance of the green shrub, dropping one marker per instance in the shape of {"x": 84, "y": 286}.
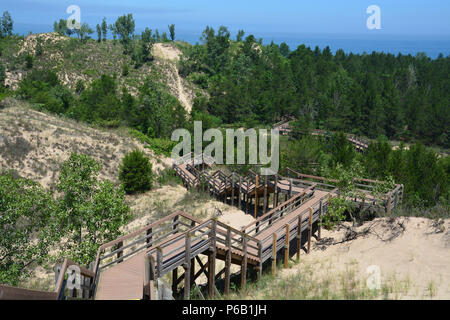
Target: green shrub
{"x": 136, "y": 172}
{"x": 29, "y": 61}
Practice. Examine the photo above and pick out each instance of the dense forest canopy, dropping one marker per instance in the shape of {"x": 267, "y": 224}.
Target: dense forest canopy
{"x": 402, "y": 97}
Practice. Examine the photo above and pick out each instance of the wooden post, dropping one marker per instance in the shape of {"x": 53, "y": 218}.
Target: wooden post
{"x": 259, "y": 273}
{"x": 290, "y": 188}
{"x": 299, "y": 236}
{"x": 275, "y": 195}
{"x": 225, "y": 200}
{"x": 274, "y": 255}
{"x": 244, "y": 264}
{"x": 150, "y": 238}
{"x": 174, "y": 280}
{"x": 159, "y": 262}
{"x": 265, "y": 195}
{"x": 187, "y": 267}
{"x": 256, "y": 196}
{"x": 309, "y": 229}
{"x": 286, "y": 247}
{"x": 319, "y": 235}
{"x": 389, "y": 199}
{"x": 246, "y": 202}
{"x": 212, "y": 260}
{"x": 175, "y": 224}
{"x": 120, "y": 253}
{"x": 228, "y": 263}
{"x": 239, "y": 192}
{"x": 192, "y": 271}
{"x": 232, "y": 189}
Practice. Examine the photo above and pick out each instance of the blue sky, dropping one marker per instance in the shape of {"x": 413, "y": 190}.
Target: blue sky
{"x": 413, "y": 18}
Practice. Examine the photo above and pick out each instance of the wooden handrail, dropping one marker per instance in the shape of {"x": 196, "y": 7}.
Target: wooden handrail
{"x": 274, "y": 210}
{"x": 67, "y": 263}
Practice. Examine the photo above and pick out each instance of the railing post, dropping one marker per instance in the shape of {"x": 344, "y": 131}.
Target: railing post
{"x": 274, "y": 254}
{"x": 389, "y": 199}
{"x": 275, "y": 195}
{"x": 212, "y": 260}
{"x": 299, "y": 236}
{"x": 286, "y": 247}
{"x": 228, "y": 262}
{"x": 320, "y": 220}
{"x": 265, "y": 195}
{"x": 244, "y": 264}
{"x": 259, "y": 273}
{"x": 290, "y": 187}
{"x": 256, "y": 196}
{"x": 149, "y": 237}
{"x": 232, "y": 189}
{"x": 120, "y": 253}
{"x": 187, "y": 267}
{"x": 175, "y": 224}
{"x": 240, "y": 192}
{"x": 310, "y": 229}
{"x": 159, "y": 262}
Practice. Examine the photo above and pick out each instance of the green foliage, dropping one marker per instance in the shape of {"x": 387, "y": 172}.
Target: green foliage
{"x": 90, "y": 212}
{"x": 172, "y": 32}
{"x": 43, "y": 87}
{"x": 61, "y": 28}
{"x": 25, "y": 210}
{"x": 124, "y": 28}
{"x": 104, "y": 27}
{"x": 6, "y": 25}
{"x": 342, "y": 150}
{"x": 136, "y": 172}
{"x": 2, "y": 76}
{"x": 99, "y": 33}
{"x": 159, "y": 146}
{"x": 29, "y": 61}
{"x": 83, "y": 32}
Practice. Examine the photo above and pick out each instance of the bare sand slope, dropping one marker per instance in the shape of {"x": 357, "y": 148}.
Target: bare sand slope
{"x": 35, "y": 144}
{"x": 412, "y": 254}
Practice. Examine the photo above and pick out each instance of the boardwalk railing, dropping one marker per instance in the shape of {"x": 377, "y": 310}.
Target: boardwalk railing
{"x": 284, "y": 234}
{"x": 265, "y": 221}
{"x": 116, "y": 251}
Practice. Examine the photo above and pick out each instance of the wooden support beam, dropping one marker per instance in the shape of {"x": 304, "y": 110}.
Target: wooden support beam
{"x": 212, "y": 260}
{"x": 274, "y": 254}
{"x": 149, "y": 239}
{"x": 244, "y": 264}
{"x": 275, "y": 195}
{"x": 174, "y": 280}
{"x": 389, "y": 200}
{"x": 299, "y": 236}
{"x": 120, "y": 253}
{"x": 228, "y": 263}
{"x": 232, "y": 189}
{"x": 259, "y": 271}
{"x": 201, "y": 270}
{"x": 290, "y": 188}
{"x": 309, "y": 229}
{"x": 192, "y": 271}
{"x": 240, "y": 192}
{"x": 319, "y": 232}
{"x": 187, "y": 267}
{"x": 265, "y": 195}
{"x": 256, "y": 196}
{"x": 286, "y": 247}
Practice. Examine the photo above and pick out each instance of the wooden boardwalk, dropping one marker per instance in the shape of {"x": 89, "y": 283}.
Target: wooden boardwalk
{"x": 128, "y": 268}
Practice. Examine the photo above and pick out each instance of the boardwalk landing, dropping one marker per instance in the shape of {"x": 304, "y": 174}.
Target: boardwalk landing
{"x": 128, "y": 267}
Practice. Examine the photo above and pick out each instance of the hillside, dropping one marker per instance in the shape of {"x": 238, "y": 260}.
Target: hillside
{"x": 34, "y": 144}
{"x": 73, "y": 61}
